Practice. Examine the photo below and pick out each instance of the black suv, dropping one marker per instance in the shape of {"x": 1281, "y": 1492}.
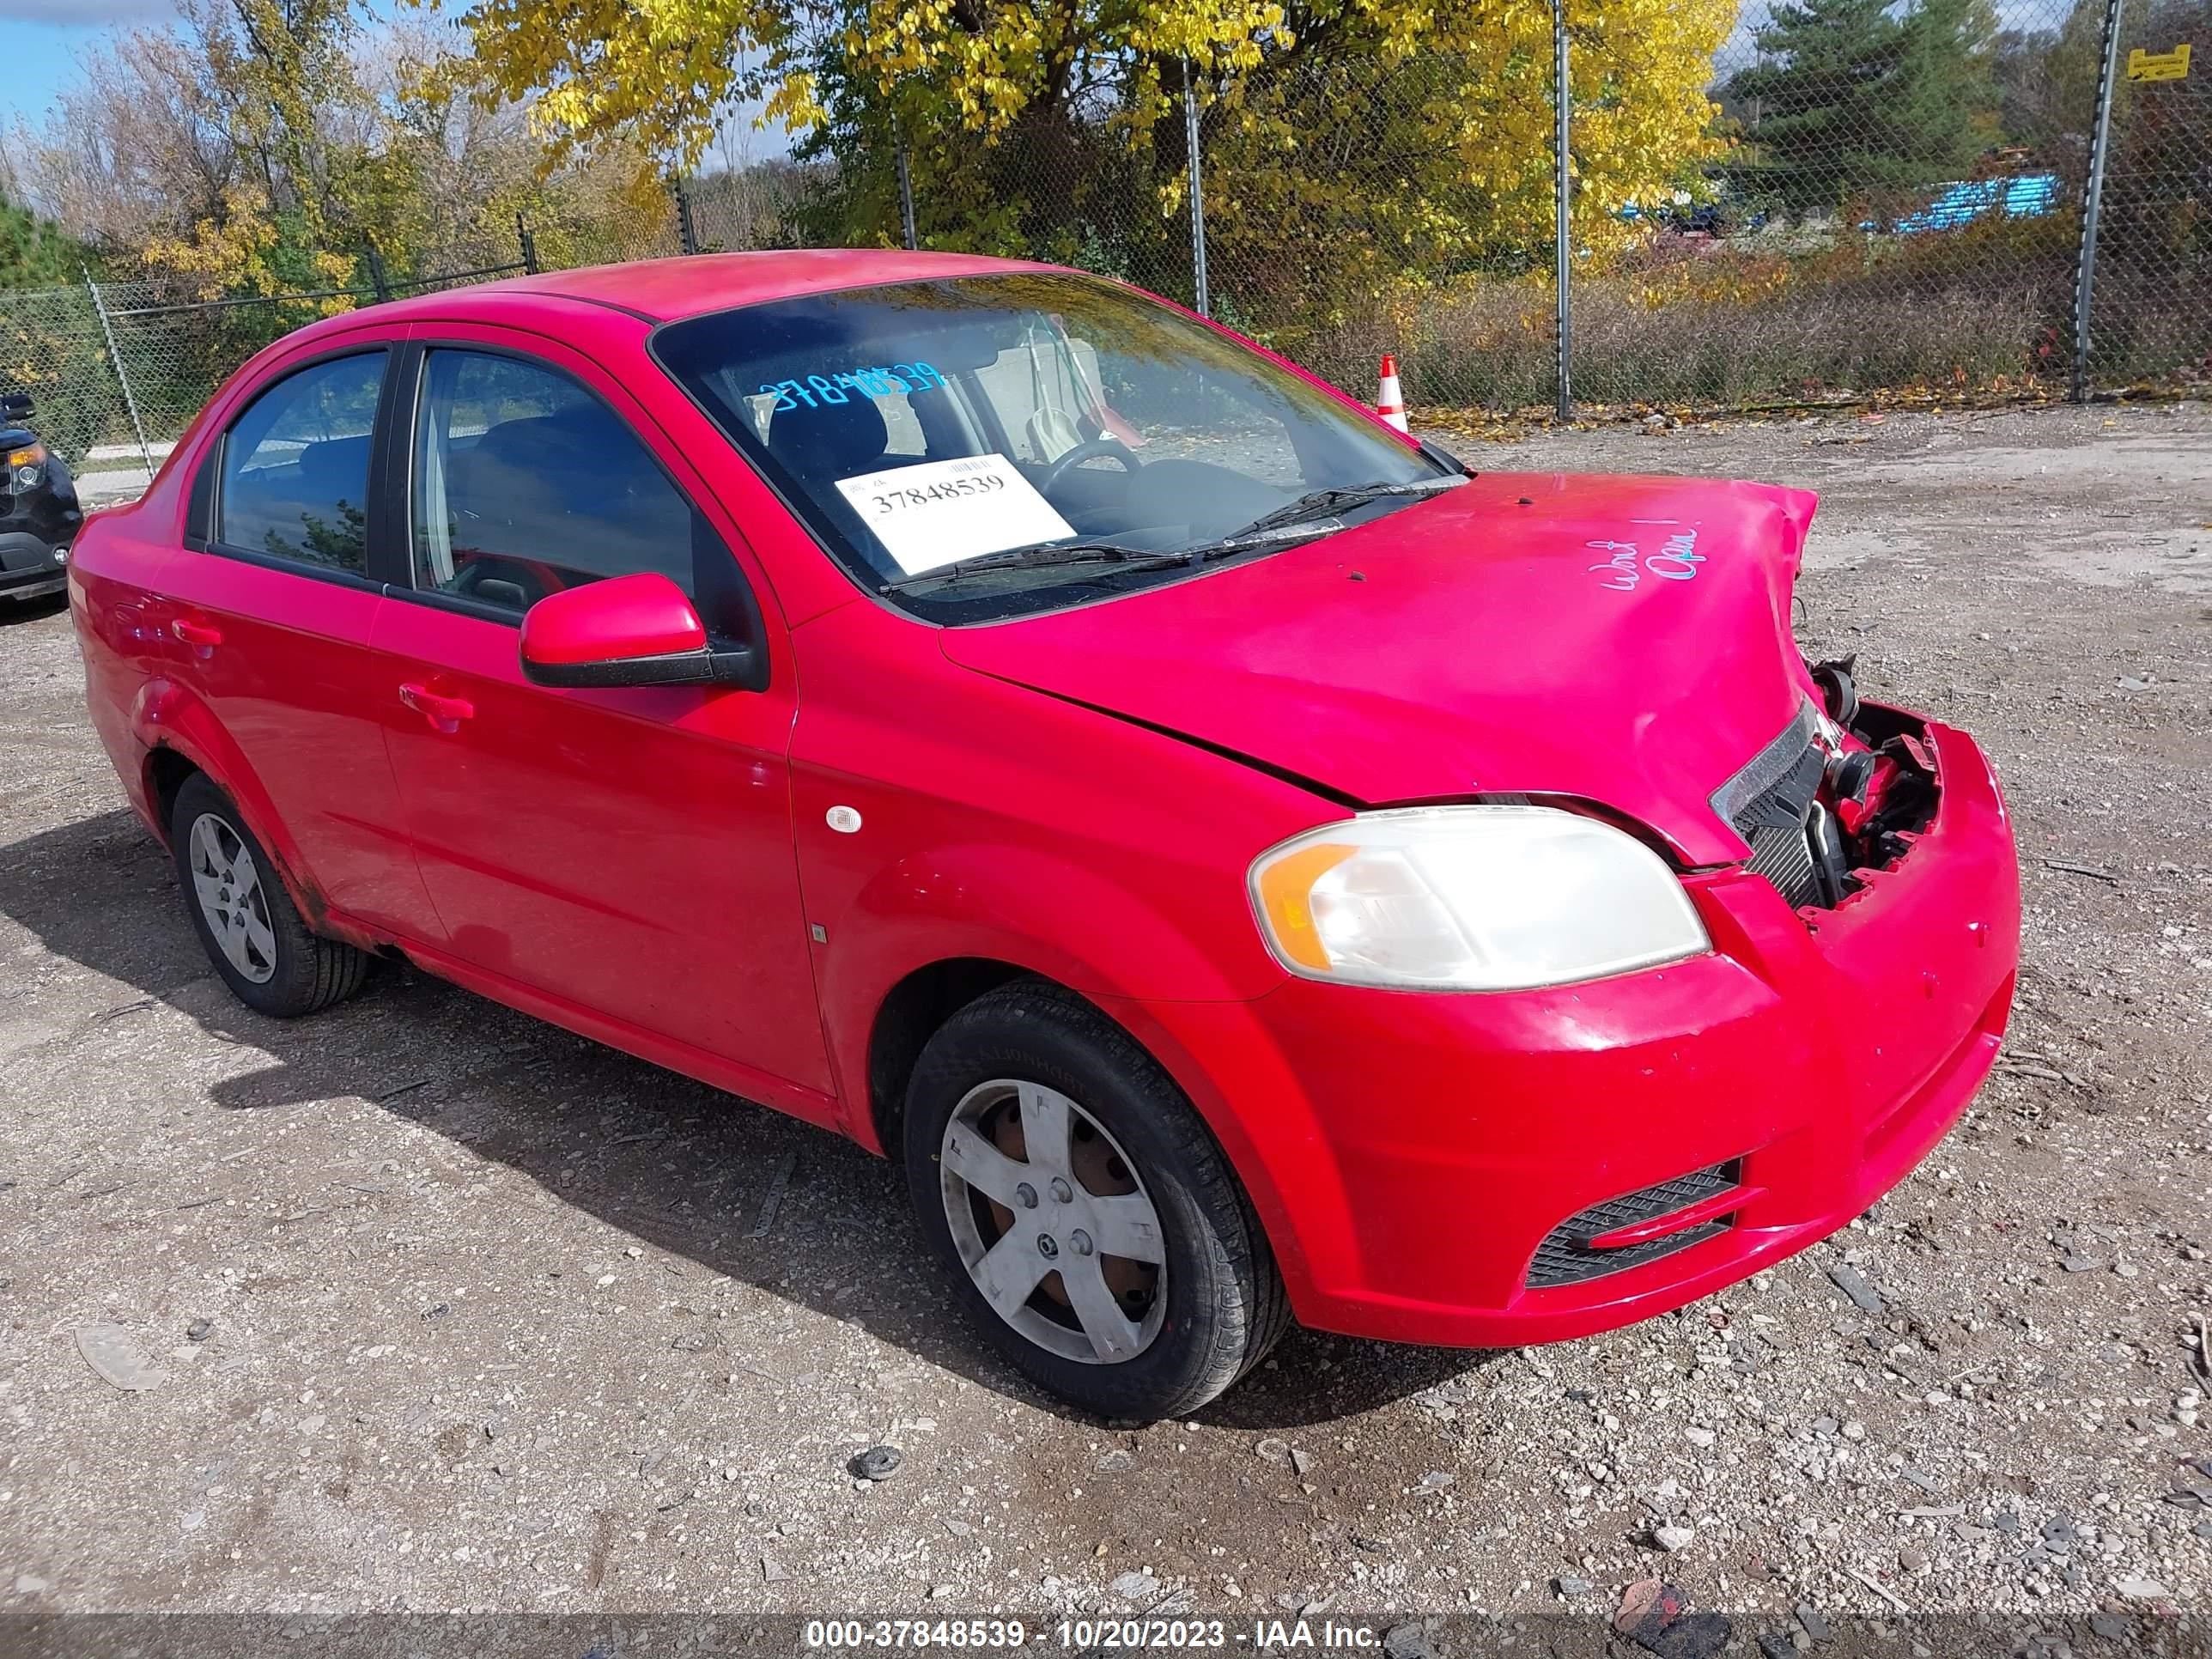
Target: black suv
{"x": 38, "y": 510}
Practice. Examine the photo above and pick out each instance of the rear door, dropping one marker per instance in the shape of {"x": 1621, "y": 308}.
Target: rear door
{"x": 627, "y": 852}
{"x": 272, "y": 603}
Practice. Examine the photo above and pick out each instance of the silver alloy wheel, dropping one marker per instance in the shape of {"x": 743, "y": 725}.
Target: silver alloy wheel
{"x": 1061, "y": 1261}
{"x": 228, "y": 884}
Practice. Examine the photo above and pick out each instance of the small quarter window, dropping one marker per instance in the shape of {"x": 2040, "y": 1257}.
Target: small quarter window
{"x": 295, "y": 466}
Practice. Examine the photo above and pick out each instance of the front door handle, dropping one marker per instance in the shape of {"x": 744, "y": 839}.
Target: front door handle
{"x": 201, "y": 636}
{"x": 445, "y": 713}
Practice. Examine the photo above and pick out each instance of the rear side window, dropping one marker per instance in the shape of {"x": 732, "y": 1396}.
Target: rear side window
{"x": 295, "y": 466}
{"x": 526, "y": 484}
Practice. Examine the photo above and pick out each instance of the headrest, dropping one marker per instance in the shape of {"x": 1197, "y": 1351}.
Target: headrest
{"x": 831, "y": 440}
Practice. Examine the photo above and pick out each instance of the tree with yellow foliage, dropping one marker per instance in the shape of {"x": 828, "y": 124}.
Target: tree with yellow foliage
{"x": 1349, "y": 143}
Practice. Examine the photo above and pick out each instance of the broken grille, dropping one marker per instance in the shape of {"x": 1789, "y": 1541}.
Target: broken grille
{"x": 1569, "y": 1256}
{"x": 1774, "y": 804}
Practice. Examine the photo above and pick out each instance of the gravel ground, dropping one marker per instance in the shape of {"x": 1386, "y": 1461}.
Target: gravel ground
{"x": 450, "y": 1310}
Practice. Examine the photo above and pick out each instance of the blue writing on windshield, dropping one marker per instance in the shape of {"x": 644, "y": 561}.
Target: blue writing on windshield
{"x": 816, "y": 389}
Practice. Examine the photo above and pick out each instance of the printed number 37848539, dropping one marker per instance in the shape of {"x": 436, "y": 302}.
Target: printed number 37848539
{"x": 817, "y": 390}
{"x": 893, "y": 501}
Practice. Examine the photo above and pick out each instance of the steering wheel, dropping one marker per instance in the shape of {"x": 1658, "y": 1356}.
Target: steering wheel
{"x": 1109, "y": 448}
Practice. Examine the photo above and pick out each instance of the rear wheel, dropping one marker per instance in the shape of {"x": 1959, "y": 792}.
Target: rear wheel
{"x": 247, "y": 921}
{"x": 1095, "y": 1230}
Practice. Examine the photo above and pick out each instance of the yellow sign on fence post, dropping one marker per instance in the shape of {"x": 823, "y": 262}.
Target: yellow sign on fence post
{"x": 2159, "y": 66}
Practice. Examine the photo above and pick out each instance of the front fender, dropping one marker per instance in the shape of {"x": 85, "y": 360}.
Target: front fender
{"x": 1190, "y": 1009}
{"x": 1046, "y": 914}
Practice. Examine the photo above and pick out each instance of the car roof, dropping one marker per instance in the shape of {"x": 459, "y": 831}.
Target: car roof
{"x": 663, "y": 290}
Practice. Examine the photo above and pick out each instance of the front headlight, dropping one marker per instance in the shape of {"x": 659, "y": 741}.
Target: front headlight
{"x": 1470, "y": 898}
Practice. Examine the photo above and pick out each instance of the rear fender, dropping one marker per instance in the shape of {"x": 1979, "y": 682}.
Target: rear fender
{"x": 167, "y": 714}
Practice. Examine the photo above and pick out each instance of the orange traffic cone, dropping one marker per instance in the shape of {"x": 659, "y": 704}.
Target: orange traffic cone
{"x": 1390, "y": 403}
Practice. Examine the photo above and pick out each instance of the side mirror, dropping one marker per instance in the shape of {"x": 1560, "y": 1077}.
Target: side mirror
{"x": 637, "y": 630}
{"x": 17, "y": 406}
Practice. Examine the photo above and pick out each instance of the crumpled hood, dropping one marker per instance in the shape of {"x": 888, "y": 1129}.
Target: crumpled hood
{"x": 1626, "y": 640}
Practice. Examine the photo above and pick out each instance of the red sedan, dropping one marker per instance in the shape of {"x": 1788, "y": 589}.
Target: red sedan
{"x": 1246, "y": 866}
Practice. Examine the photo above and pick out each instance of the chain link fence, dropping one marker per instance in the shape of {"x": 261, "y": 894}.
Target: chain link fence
{"x": 1941, "y": 196}
{"x": 2151, "y": 298}
{"x": 53, "y": 346}
{"x": 119, "y": 370}
{"x": 1887, "y": 198}
{"x": 1897, "y": 205}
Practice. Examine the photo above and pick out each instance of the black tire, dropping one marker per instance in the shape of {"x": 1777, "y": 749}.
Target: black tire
{"x": 303, "y": 973}
{"x": 1224, "y": 1305}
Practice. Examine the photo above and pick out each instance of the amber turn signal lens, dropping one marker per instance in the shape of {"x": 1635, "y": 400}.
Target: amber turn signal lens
{"x": 1285, "y": 893}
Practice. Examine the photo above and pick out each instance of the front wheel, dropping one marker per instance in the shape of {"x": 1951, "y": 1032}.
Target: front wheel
{"x": 1096, "y": 1232}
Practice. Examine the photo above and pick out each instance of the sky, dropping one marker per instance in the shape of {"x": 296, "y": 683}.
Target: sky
{"x": 40, "y": 40}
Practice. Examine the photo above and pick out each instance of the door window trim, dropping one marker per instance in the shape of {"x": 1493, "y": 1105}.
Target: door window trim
{"x": 203, "y": 510}
{"x": 395, "y": 487}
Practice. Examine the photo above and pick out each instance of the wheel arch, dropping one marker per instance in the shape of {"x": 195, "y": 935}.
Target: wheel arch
{"x": 912, "y": 1012}
{"x": 931, "y": 931}
{"x": 182, "y": 739}
{"x": 918, "y": 1004}
{"x": 166, "y": 772}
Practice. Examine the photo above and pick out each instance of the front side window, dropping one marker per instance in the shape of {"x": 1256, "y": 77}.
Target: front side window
{"x": 295, "y": 466}
{"x": 524, "y": 483}
{"x": 1081, "y": 438}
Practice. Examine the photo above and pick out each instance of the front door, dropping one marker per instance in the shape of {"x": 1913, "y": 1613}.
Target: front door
{"x": 626, "y": 852}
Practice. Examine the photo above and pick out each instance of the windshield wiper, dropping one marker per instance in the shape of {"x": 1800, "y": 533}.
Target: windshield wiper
{"x": 1125, "y": 558}
{"x": 1307, "y": 529}
{"x": 1036, "y": 557}
{"x": 1314, "y": 502}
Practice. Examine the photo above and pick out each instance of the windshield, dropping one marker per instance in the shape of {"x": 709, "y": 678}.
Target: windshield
{"x": 983, "y": 447}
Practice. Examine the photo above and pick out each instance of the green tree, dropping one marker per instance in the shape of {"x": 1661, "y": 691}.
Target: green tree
{"x": 1855, "y": 104}
{"x": 36, "y": 253}
{"x": 48, "y": 332}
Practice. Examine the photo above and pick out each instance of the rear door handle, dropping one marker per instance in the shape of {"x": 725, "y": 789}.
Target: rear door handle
{"x": 205, "y": 635}
{"x": 445, "y": 713}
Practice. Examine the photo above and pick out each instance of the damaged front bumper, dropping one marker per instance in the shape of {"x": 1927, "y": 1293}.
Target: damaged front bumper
{"x": 1500, "y": 1168}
